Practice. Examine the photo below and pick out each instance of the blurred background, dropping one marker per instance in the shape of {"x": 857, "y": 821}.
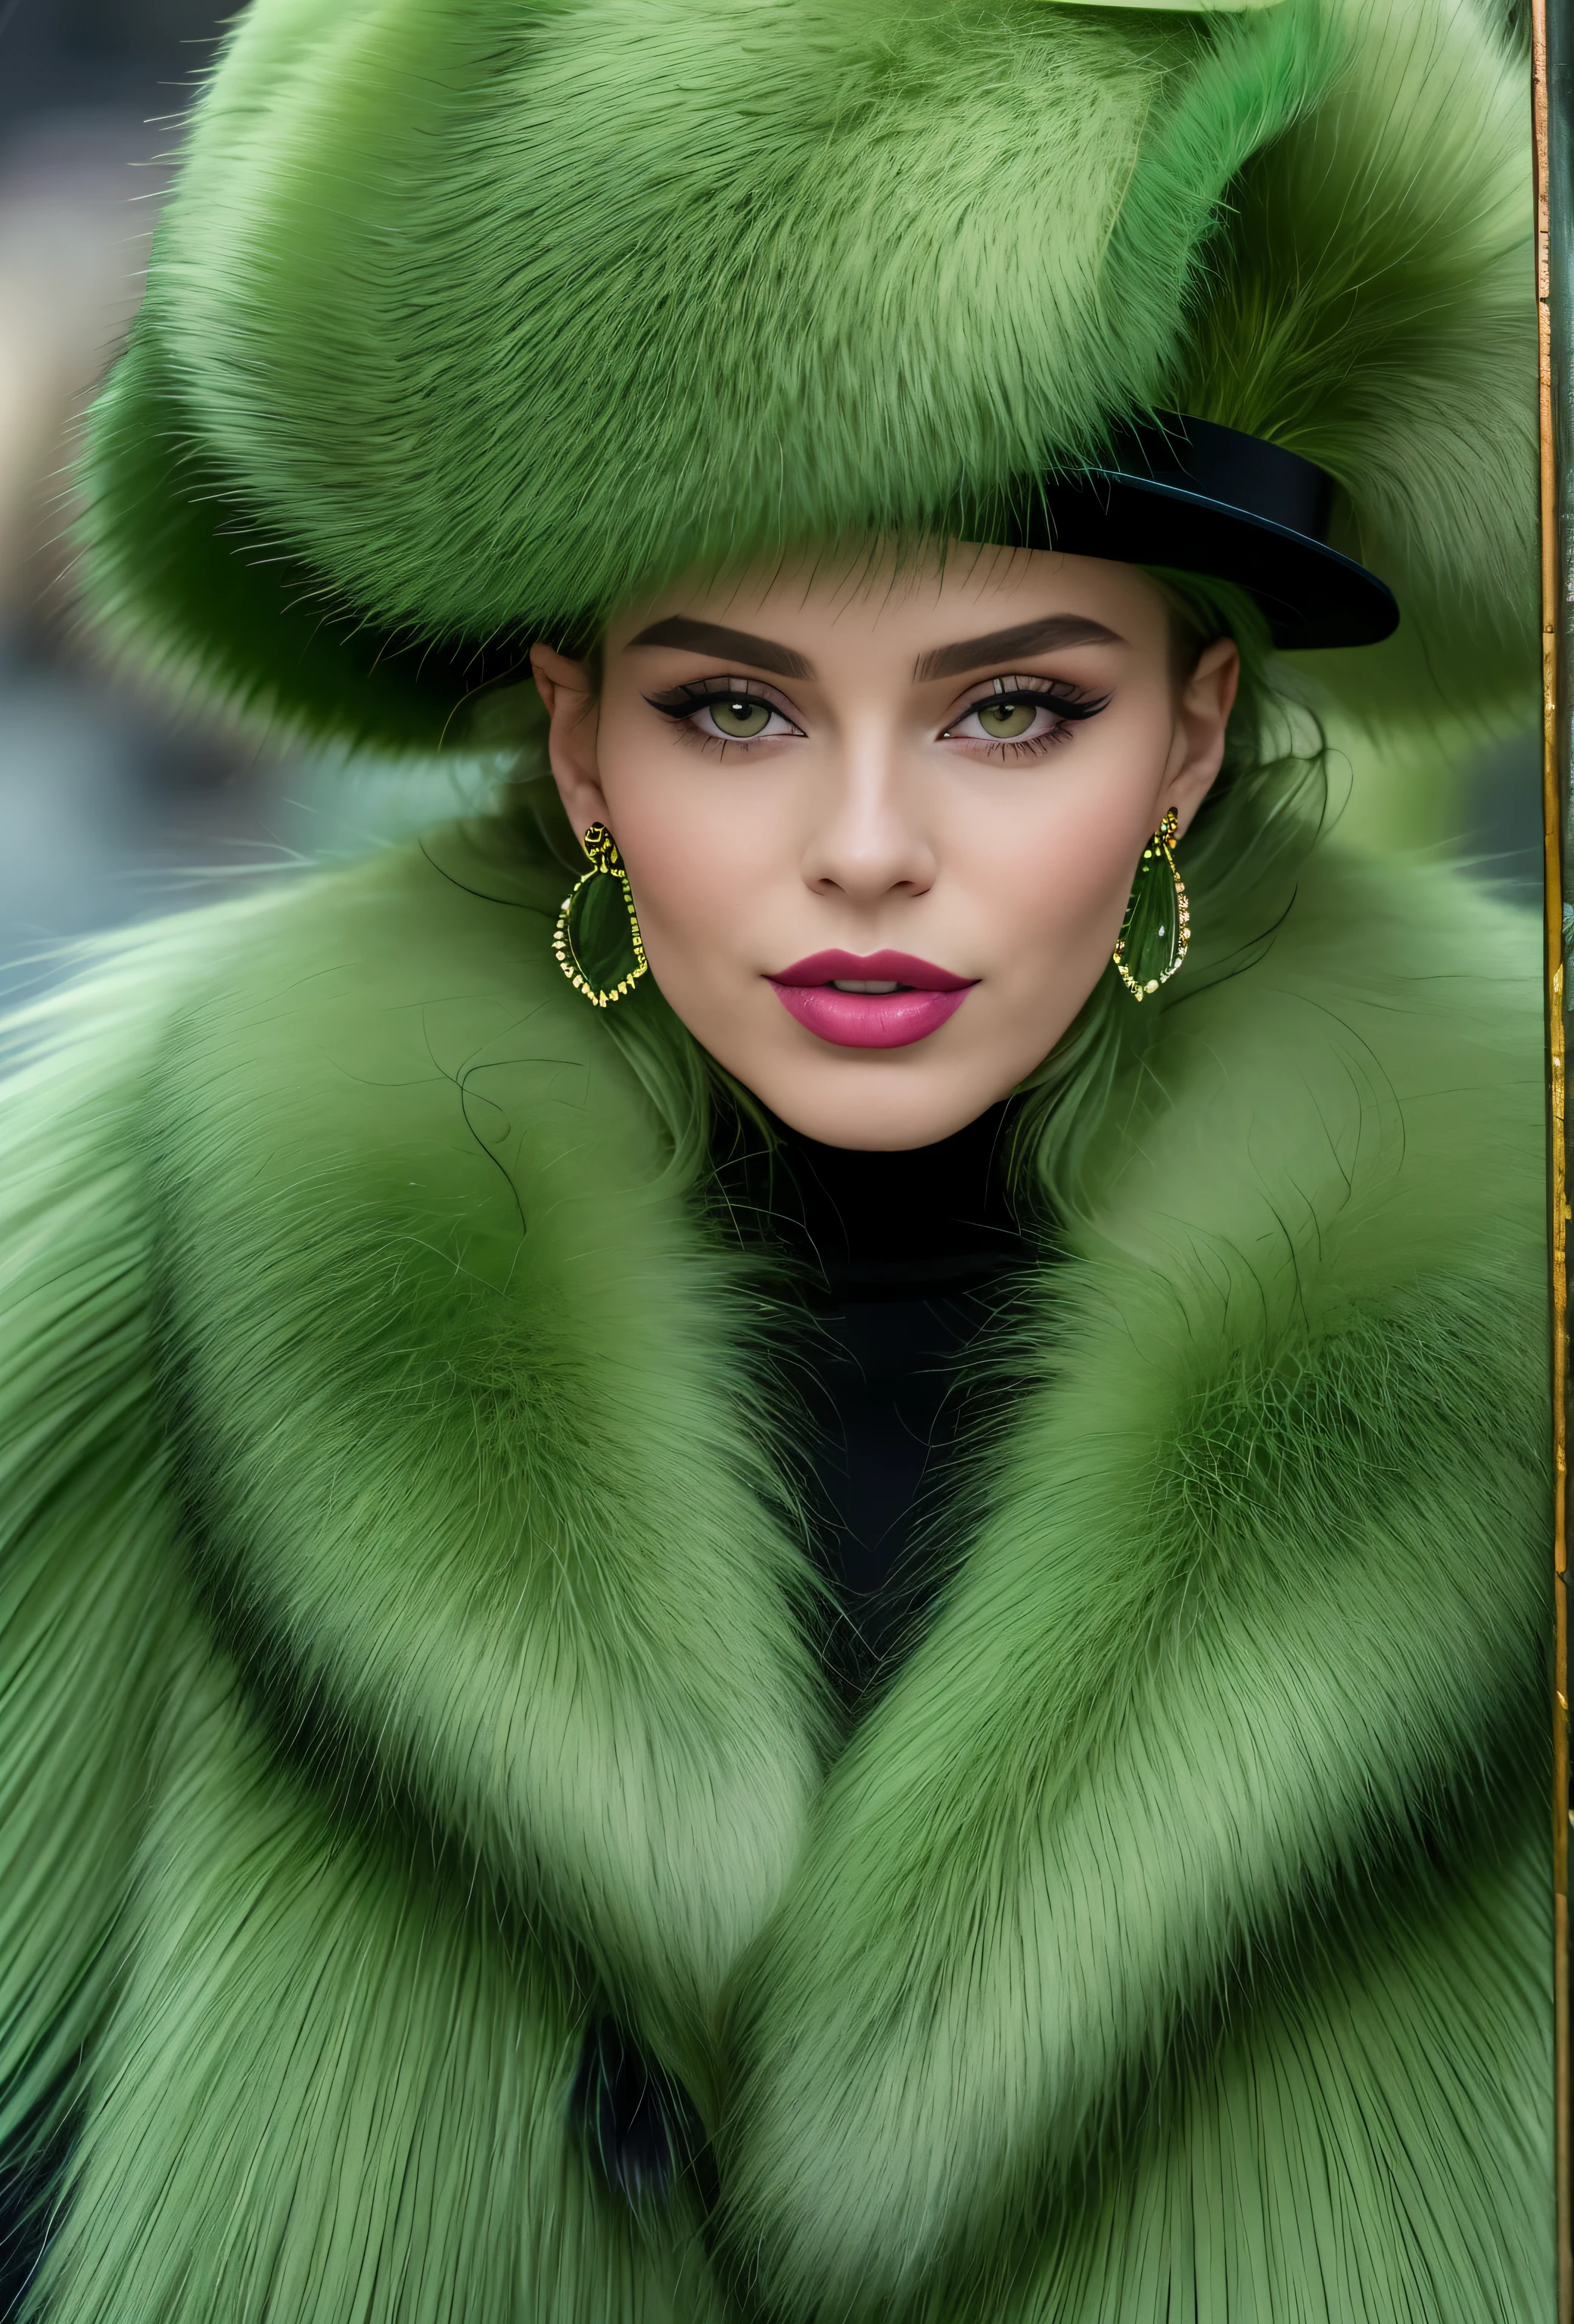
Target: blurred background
{"x": 117, "y": 800}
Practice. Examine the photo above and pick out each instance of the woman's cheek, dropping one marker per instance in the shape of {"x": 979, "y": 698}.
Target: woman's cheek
{"x": 668, "y": 843}
{"x": 698, "y": 894}
{"x": 1057, "y": 894}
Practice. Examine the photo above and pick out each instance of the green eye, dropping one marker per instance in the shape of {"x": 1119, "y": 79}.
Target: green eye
{"x": 1006, "y": 720}
{"x": 740, "y": 717}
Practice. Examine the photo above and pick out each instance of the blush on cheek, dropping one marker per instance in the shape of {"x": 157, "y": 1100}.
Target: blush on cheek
{"x": 1061, "y": 903}
{"x": 690, "y": 895}
{"x": 698, "y": 895}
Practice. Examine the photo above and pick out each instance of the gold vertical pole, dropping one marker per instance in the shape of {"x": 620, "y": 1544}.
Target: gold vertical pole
{"x": 1553, "y": 809}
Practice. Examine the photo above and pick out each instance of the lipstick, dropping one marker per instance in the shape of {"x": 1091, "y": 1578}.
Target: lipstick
{"x": 912, "y": 997}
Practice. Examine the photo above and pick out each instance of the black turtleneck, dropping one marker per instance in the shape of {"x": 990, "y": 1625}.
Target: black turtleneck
{"x": 899, "y": 1261}
{"x": 903, "y": 1259}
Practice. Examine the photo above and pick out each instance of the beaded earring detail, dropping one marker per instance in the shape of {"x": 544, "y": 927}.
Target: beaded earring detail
{"x": 583, "y": 934}
{"x": 1157, "y": 927}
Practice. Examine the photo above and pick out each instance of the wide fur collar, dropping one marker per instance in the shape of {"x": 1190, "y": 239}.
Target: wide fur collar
{"x": 479, "y": 1464}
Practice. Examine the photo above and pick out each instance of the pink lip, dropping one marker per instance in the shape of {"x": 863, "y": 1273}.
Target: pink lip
{"x": 871, "y": 1020}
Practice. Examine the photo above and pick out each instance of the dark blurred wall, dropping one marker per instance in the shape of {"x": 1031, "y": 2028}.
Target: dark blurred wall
{"x": 110, "y": 791}
{"x": 118, "y": 798}
{"x": 135, "y": 56}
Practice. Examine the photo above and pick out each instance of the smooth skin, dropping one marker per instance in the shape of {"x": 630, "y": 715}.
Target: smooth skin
{"x": 961, "y": 762}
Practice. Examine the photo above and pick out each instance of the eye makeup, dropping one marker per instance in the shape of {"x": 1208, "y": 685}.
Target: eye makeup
{"x": 1012, "y": 717}
{"x": 734, "y": 711}
{"x": 1021, "y": 716}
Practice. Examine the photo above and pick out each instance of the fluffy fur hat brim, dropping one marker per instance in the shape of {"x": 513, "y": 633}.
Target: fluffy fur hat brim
{"x": 468, "y": 323}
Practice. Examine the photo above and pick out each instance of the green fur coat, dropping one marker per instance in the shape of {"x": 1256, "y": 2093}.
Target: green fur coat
{"x": 402, "y": 1664}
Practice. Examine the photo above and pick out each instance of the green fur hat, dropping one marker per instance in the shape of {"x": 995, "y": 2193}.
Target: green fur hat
{"x": 469, "y": 318}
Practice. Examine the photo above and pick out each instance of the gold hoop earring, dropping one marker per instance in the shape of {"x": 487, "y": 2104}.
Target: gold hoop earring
{"x": 582, "y": 932}
{"x": 1157, "y": 927}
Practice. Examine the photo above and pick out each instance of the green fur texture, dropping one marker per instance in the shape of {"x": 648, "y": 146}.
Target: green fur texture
{"x": 470, "y": 320}
{"x": 402, "y": 1665}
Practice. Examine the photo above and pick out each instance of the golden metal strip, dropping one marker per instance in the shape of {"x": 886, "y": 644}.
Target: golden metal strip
{"x": 1552, "y": 813}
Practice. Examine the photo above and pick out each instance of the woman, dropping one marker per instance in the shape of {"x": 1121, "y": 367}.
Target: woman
{"x": 801, "y": 1577}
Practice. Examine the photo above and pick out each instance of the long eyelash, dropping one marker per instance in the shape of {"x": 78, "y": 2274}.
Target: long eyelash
{"x": 1070, "y": 704}
{"x": 1050, "y": 692}
{"x": 694, "y": 693}
{"x": 1033, "y": 747}
{"x": 683, "y": 700}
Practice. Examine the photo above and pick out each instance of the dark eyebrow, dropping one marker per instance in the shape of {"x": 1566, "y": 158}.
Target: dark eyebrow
{"x": 734, "y": 645}
{"x": 1005, "y": 645}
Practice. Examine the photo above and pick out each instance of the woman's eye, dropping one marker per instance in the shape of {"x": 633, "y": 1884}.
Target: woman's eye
{"x": 1028, "y": 717}
{"x": 718, "y": 712}
{"x": 741, "y": 717}
{"x": 1005, "y": 721}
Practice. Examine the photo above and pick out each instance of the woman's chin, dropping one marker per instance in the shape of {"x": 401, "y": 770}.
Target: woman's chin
{"x": 863, "y": 1104}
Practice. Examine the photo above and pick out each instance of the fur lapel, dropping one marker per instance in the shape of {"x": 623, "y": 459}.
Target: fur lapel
{"x": 480, "y": 1492}
{"x": 475, "y": 1494}
{"x": 1259, "y": 1594}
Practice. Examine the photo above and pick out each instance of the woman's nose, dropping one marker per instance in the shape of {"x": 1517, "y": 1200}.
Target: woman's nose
{"x": 869, "y": 838}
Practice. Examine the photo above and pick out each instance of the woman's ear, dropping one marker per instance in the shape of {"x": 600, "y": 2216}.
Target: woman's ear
{"x": 1202, "y": 722}
{"x": 566, "y": 690}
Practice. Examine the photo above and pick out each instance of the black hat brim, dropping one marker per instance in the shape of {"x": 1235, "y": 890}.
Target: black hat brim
{"x": 1311, "y": 595}
{"x": 1202, "y": 498}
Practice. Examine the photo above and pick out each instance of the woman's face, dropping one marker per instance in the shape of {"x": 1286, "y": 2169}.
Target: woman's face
{"x": 880, "y": 832}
